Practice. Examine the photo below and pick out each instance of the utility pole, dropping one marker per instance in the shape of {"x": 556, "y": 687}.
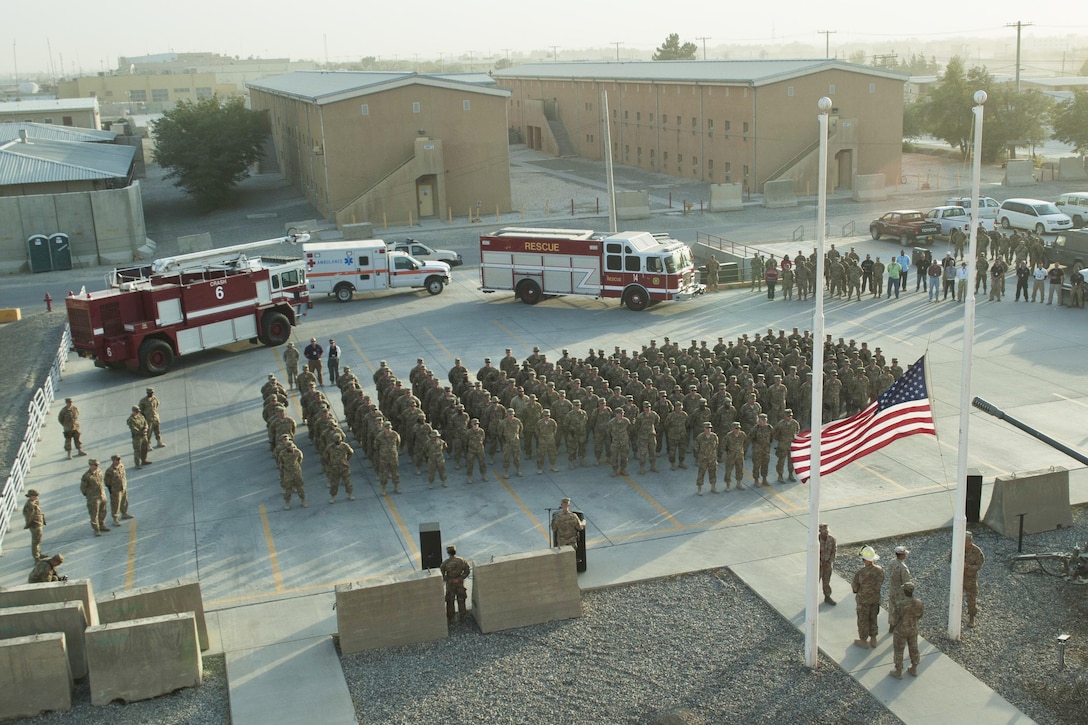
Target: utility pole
{"x": 554, "y": 47}
{"x": 704, "y": 39}
{"x": 827, "y": 40}
{"x": 1019, "y": 26}
{"x": 617, "y": 43}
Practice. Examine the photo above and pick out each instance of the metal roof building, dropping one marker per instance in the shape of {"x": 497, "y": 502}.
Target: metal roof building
{"x": 79, "y": 112}
{"x": 43, "y": 166}
{"x": 9, "y": 131}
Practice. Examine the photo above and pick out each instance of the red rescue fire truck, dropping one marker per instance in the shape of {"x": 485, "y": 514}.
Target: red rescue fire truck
{"x": 638, "y": 268}
{"x": 150, "y": 315}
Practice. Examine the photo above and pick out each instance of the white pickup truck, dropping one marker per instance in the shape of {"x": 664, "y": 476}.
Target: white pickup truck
{"x": 424, "y": 253}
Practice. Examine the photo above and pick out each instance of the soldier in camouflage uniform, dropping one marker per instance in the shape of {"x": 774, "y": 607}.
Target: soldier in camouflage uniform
{"x": 279, "y": 424}
{"x": 289, "y": 458}
{"x": 646, "y": 425}
{"x": 529, "y": 415}
{"x": 117, "y": 483}
{"x": 706, "y": 457}
{"x": 290, "y": 363}
{"x": 454, "y": 572}
{"x": 435, "y": 452}
{"x": 510, "y": 429}
{"x": 149, "y": 408}
{"x": 338, "y": 468}
{"x": 137, "y": 426}
{"x": 908, "y": 611}
{"x": 600, "y": 418}
{"x": 547, "y": 431}
{"x": 619, "y": 447}
{"x": 973, "y": 560}
{"x": 93, "y": 489}
{"x": 69, "y": 422}
{"x": 474, "y": 449}
{"x": 784, "y": 433}
{"x": 567, "y": 525}
{"x": 676, "y": 433}
{"x": 762, "y": 435}
{"x": 866, "y": 585}
{"x": 388, "y": 444}
{"x": 898, "y": 574}
{"x": 577, "y": 426}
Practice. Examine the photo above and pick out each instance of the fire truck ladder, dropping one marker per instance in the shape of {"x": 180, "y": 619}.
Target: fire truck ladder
{"x": 232, "y": 256}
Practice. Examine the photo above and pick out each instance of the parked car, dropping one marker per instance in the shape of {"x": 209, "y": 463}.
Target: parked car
{"x": 1034, "y": 214}
{"x": 906, "y": 225}
{"x": 1075, "y": 204}
{"x": 987, "y": 206}
{"x": 424, "y": 253}
{"x": 949, "y": 217}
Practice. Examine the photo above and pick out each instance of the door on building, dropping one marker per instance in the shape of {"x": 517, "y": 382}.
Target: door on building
{"x": 425, "y": 195}
{"x": 844, "y": 176}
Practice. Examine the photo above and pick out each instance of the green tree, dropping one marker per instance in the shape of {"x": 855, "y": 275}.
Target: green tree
{"x": 502, "y": 63}
{"x": 858, "y": 57}
{"x": 208, "y": 146}
{"x": 1013, "y": 119}
{"x": 672, "y": 50}
{"x": 1069, "y": 119}
{"x": 946, "y": 109}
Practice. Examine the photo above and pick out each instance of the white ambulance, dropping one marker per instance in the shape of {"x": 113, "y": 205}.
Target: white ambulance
{"x": 341, "y": 269}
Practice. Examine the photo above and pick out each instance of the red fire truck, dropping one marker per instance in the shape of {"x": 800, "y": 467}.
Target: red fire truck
{"x": 638, "y": 268}
{"x": 150, "y": 315}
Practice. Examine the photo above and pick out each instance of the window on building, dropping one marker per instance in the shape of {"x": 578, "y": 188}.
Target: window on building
{"x": 651, "y": 119}
{"x": 184, "y": 91}
{"x": 664, "y": 160}
{"x": 67, "y": 121}
{"x": 746, "y": 172}
{"x": 47, "y": 120}
{"x": 652, "y": 160}
{"x": 710, "y": 168}
{"x": 695, "y": 165}
{"x": 626, "y": 152}
{"x": 364, "y": 109}
{"x": 831, "y": 89}
{"x": 638, "y": 115}
{"x": 664, "y": 119}
{"x": 678, "y": 122}
{"x": 789, "y": 91}
{"x": 625, "y": 115}
{"x": 872, "y": 88}
{"x": 710, "y": 125}
{"x": 109, "y": 94}
{"x": 615, "y": 114}
{"x": 466, "y": 105}
{"x": 137, "y": 96}
{"x": 679, "y": 163}
{"x": 415, "y": 106}
{"x": 694, "y": 123}
{"x": 638, "y": 156}
{"x": 203, "y": 92}
{"x": 160, "y": 95}
{"x": 745, "y": 130}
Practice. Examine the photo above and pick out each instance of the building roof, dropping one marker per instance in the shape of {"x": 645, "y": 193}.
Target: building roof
{"x": 42, "y": 161}
{"x": 44, "y": 105}
{"x": 743, "y": 72}
{"x": 10, "y": 130}
{"x": 322, "y": 87}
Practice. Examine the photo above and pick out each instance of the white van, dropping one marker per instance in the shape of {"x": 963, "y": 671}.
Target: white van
{"x": 340, "y": 269}
{"x": 1039, "y": 216}
{"x": 1074, "y": 204}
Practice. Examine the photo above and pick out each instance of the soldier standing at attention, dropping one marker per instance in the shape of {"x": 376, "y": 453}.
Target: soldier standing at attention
{"x": 118, "y": 486}
{"x": 389, "y": 457}
{"x": 313, "y": 353}
{"x": 706, "y": 458}
{"x": 866, "y": 585}
{"x": 149, "y": 409}
{"x": 761, "y": 436}
{"x": 35, "y": 521}
{"x": 908, "y": 611}
{"x": 434, "y": 449}
{"x": 827, "y": 562}
{"x": 973, "y": 560}
{"x": 510, "y": 429}
{"x": 898, "y": 575}
{"x": 735, "y": 444}
{"x": 334, "y": 362}
{"x": 567, "y": 525}
{"x": 290, "y": 363}
{"x": 712, "y": 274}
{"x": 289, "y": 460}
{"x": 338, "y": 468}
{"x": 69, "y": 421}
{"x": 137, "y": 426}
{"x": 454, "y": 572}
{"x": 90, "y": 485}
{"x": 784, "y": 433}
{"x": 547, "y": 431}
{"x": 474, "y": 449}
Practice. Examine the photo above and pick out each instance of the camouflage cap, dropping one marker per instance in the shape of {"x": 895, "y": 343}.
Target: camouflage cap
{"x": 32, "y": 493}
{"x": 92, "y": 462}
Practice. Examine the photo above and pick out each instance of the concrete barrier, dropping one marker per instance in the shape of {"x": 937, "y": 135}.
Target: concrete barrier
{"x": 11, "y": 314}
{"x": 726, "y": 197}
{"x": 519, "y": 590}
{"x": 64, "y": 617}
{"x": 1019, "y": 173}
{"x": 34, "y": 676}
{"x": 1071, "y": 168}
{"x": 28, "y": 595}
{"x": 390, "y": 611}
{"x": 1042, "y": 495}
{"x": 153, "y": 601}
{"x": 360, "y": 230}
{"x": 779, "y": 194}
{"x": 870, "y": 187}
{"x": 143, "y": 658}
{"x": 632, "y": 205}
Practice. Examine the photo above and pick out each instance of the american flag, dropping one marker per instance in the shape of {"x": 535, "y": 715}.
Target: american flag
{"x": 903, "y": 410}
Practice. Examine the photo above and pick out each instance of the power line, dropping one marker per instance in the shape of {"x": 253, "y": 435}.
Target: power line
{"x": 827, "y": 40}
{"x": 1019, "y": 26}
{"x": 704, "y": 39}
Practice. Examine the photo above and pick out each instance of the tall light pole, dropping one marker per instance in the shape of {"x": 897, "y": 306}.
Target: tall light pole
{"x": 617, "y": 43}
{"x": 959, "y": 513}
{"x": 1019, "y": 26}
{"x": 812, "y": 561}
{"x": 704, "y": 39}
{"x": 827, "y": 40}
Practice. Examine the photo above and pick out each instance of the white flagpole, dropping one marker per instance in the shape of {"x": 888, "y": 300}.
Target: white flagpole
{"x": 959, "y": 515}
{"x": 812, "y": 561}
{"x": 608, "y": 163}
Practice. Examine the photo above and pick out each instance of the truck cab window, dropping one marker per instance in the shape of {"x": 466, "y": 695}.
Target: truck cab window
{"x": 653, "y": 264}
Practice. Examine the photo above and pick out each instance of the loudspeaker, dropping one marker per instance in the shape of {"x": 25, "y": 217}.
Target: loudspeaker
{"x": 974, "y": 495}
{"x": 430, "y": 545}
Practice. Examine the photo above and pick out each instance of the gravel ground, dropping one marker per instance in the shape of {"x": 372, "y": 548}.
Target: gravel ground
{"x": 204, "y": 705}
{"x": 1013, "y": 648}
{"x": 693, "y": 649}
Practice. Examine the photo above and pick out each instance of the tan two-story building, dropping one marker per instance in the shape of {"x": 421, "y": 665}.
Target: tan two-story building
{"x": 389, "y": 147}
{"x": 719, "y": 121}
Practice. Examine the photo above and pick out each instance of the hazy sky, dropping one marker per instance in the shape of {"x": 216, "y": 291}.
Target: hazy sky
{"x": 90, "y": 37}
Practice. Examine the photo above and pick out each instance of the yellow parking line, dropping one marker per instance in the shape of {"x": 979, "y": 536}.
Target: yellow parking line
{"x": 539, "y": 526}
{"x": 434, "y": 339}
{"x": 881, "y": 476}
{"x": 320, "y": 587}
{"x": 499, "y": 325}
{"x": 361, "y": 354}
{"x": 403, "y": 529}
{"x": 130, "y": 569}
{"x": 273, "y": 559}
{"x": 660, "y": 509}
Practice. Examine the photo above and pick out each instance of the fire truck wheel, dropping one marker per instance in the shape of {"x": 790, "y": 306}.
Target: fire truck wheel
{"x": 156, "y": 357}
{"x": 636, "y": 299}
{"x": 434, "y": 285}
{"x": 528, "y": 291}
{"x": 344, "y": 293}
{"x": 276, "y": 328}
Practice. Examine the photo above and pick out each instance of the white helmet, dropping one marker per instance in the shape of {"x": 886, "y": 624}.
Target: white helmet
{"x": 869, "y": 554}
